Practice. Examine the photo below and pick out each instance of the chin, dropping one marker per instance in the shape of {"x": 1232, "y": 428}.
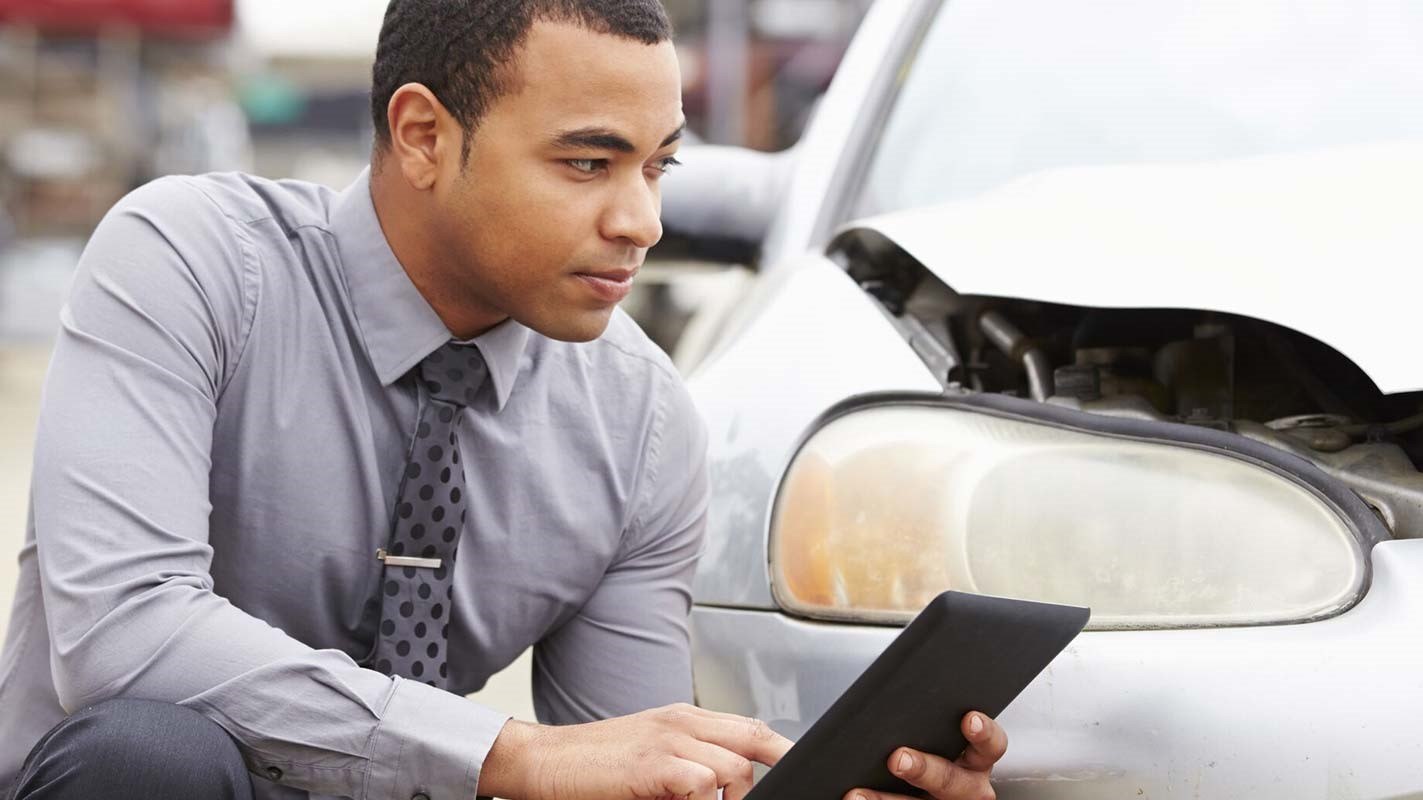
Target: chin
{"x": 578, "y": 326}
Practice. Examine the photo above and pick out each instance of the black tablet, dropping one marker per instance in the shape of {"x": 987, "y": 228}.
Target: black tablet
{"x": 964, "y": 652}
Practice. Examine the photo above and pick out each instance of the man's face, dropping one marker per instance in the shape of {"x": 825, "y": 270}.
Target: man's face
{"x": 559, "y": 201}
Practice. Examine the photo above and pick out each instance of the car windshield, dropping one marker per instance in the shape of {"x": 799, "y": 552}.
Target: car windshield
{"x": 1000, "y": 89}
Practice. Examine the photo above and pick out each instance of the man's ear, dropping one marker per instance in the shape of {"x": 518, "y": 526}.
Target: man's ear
{"x": 424, "y": 136}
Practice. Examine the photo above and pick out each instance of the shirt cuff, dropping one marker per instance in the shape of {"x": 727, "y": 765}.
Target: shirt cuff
{"x": 430, "y": 742}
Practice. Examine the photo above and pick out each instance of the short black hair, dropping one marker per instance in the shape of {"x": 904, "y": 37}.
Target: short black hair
{"x": 460, "y": 49}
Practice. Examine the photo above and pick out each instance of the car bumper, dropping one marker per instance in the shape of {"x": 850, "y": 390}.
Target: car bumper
{"x": 1321, "y": 710}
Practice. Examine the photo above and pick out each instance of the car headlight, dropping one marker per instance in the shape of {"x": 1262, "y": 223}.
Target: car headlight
{"x": 886, "y": 506}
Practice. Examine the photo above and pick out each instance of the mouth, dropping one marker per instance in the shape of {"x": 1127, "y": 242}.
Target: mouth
{"x": 611, "y": 285}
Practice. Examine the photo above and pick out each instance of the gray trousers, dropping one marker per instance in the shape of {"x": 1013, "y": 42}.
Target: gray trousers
{"x": 123, "y": 748}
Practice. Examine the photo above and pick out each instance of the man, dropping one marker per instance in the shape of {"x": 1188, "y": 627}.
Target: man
{"x": 276, "y": 414}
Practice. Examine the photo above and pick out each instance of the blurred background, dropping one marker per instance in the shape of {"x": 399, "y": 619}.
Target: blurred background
{"x": 100, "y": 96}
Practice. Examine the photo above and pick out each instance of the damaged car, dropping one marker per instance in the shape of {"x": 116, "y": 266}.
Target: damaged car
{"x": 1104, "y": 304}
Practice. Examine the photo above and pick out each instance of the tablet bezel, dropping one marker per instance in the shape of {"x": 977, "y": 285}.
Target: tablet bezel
{"x": 963, "y": 652}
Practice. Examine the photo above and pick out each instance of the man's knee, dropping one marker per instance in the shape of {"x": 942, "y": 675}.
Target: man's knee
{"x": 135, "y": 748}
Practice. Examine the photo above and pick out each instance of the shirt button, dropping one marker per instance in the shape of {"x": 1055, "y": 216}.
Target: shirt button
{"x": 274, "y": 773}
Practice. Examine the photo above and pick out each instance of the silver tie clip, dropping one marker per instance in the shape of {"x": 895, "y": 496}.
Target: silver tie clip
{"x": 407, "y": 561}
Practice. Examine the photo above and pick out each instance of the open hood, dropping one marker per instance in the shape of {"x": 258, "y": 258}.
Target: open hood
{"x": 1329, "y": 243}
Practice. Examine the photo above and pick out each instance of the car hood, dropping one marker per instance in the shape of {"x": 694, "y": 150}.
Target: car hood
{"x": 1328, "y": 243}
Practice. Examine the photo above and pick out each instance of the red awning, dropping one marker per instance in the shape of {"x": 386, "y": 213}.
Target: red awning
{"x": 176, "y": 17}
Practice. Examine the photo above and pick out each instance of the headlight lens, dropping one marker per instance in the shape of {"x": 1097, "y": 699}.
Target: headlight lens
{"x": 885, "y": 507}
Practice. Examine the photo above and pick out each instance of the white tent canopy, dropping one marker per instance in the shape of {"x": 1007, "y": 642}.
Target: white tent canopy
{"x": 311, "y": 28}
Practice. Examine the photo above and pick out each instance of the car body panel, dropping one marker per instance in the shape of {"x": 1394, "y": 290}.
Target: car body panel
{"x": 846, "y": 118}
{"x": 1326, "y": 243}
{"x": 1235, "y": 713}
{"x": 1324, "y": 709}
{"x": 814, "y": 343}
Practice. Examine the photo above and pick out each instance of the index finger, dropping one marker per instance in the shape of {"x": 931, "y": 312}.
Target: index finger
{"x": 987, "y": 742}
{"x": 745, "y": 736}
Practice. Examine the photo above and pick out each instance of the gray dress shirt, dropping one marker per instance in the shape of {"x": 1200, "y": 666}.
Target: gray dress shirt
{"x": 222, "y": 433}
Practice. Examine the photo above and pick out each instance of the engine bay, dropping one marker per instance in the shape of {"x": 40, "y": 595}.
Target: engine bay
{"x": 1195, "y": 367}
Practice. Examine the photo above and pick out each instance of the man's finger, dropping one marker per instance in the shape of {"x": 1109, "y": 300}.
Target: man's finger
{"x": 683, "y": 778}
{"x": 940, "y": 777}
{"x": 734, "y": 773}
{"x": 758, "y": 727}
{"x": 867, "y": 794}
{"x": 744, "y": 736}
{"x": 987, "y": 742}
{"x": 870, "y": 794}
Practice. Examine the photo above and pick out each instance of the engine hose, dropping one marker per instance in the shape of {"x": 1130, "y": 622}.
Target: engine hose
{"x": 1013, "y": 343}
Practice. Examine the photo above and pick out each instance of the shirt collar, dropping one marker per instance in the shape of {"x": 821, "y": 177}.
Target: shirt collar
{"x": 503, "y": 349}
{"x": 397, "y": 324}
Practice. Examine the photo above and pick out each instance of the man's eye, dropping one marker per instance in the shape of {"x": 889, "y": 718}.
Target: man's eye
{"x": 665, "y": 165}
{"x": 588, "y": 165}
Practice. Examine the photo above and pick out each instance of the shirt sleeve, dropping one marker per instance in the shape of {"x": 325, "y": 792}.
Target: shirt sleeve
{"x": 161, "y": 307}
{"x": 627, "y": 649}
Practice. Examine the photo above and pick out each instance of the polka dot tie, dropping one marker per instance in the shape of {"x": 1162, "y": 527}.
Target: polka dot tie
{"x": 418, "y": 583}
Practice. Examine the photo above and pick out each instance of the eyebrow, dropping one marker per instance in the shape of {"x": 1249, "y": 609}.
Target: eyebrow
{"x": 674, "y": 135}
{"x": 595, "y": 138}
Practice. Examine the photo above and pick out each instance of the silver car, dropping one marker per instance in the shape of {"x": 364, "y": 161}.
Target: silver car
{"x": 1113, "y": 304}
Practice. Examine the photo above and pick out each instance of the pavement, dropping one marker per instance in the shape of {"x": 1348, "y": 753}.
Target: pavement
{"x": 22, "y": 368}
{"x": 21, "y": 373}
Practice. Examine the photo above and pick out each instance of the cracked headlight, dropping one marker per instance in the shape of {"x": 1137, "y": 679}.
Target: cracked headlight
{"x": 884, "y": 507}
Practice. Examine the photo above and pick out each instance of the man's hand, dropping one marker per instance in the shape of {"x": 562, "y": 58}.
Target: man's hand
{"x": 964, "y": 779}
{"x": 675, "y": 751}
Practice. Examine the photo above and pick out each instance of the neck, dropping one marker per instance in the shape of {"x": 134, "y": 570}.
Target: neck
{"x": 405, "y": 214}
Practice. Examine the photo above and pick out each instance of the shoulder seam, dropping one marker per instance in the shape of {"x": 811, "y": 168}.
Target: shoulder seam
{"x": 667, "y": 370}
{"x": 654, "y": 463}
{"x": 187, "y": 180}
{"x": 251, "y": 276}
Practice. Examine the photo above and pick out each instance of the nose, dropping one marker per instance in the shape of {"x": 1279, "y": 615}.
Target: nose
{"x": 634, "y": 213}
